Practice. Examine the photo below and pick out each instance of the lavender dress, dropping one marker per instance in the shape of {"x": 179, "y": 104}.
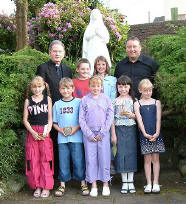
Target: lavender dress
{"x": 95, "y": 118}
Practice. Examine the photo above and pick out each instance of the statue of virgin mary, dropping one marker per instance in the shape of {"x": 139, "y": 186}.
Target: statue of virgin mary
{"x": 95, "y": 39}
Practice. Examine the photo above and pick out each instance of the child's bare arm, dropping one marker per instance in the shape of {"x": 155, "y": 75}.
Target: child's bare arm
{"x": 158, "y": 119}
{"x": 113, "y": 132}
{"x": 49, "y": 117}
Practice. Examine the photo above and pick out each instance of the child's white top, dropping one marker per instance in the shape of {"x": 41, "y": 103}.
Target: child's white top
{"x": 120, "y": 106}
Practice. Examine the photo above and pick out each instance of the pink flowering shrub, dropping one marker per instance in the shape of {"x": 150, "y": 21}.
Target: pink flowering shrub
{"x": 66, "y": 21}
{"x": 118, "y": 34}
{"x": 7, "y": 33}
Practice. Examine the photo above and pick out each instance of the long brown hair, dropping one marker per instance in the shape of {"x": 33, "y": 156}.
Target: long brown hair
{"x": 37, "y": 80}
{"x": 101, "y": 58}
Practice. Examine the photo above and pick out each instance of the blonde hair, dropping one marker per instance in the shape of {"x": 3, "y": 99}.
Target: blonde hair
{"x": 37, "y": 80}
{"x": 95, "y": 80}
{"x": 145, "y": 84}
{"x": 66, "y": 82}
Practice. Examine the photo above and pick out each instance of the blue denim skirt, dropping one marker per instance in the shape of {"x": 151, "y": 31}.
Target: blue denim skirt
{"x": 126, "y": 156}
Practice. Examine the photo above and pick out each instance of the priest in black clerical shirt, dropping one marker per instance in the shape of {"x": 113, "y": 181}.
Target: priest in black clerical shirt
{"x": 53, "y": 70}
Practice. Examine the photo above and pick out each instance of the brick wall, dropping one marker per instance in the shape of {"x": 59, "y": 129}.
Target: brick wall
{"x": 145, "y": 31}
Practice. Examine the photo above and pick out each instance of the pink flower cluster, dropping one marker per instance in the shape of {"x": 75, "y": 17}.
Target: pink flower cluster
{"x": 68, "y": 24}
{"x": 51, "y": 16}
{"x": 110, "y": 20}
{"x": 118, "y": 35}
{"x": 113, "y": 25}
{"x": 50, "y": 11}
{"x": 7, "y": 23}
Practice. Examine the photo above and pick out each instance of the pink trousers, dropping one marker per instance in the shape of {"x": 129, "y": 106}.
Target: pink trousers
{"x": 39, "y": 161}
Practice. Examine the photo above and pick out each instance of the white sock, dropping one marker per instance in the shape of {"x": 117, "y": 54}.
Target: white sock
{"x": 131, "y": 179}
{"x": 130, "y": 176}
{"x": 124, "y": 180}
{"x": 124, "y": 177}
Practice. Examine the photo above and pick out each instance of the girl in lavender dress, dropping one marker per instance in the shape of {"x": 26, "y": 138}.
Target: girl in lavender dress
{"x": 101, "y": 68}
{"x": 95, "y": 118}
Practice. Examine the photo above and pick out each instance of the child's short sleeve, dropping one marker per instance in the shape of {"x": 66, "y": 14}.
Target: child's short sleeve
{"x": 54, "y": 113}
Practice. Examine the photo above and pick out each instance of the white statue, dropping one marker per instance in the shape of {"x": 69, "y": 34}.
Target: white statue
{"x": 95, "y": 38}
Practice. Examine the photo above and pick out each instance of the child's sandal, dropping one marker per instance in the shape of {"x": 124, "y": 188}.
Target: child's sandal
{"x": 84, "y": 190}
{"x": 37, "y": 193}
{"x": 156, "y": 188}
{"x": 131, "y": 187}
{"x": 60, "y": 191}
{"x": 124, "y": 190}
{"x": 148, "y": 189}
{"x": 45, "y": 193}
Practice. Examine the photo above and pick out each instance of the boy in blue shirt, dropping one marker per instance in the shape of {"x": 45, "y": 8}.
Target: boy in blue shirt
{"x": 70, "y": 138}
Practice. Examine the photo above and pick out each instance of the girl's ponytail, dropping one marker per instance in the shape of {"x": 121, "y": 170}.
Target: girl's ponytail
{"x": 28, "y": 90}
{"x": 47, "y": 89}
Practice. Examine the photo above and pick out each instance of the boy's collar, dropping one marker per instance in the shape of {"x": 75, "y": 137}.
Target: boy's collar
{"x": 68, "y": 100}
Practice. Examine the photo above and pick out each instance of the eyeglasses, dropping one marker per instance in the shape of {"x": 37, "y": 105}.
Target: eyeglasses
{"x": 57, "y": 51}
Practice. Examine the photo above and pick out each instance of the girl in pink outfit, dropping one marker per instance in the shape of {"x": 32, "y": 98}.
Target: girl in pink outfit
{"x": 37, "y": 118}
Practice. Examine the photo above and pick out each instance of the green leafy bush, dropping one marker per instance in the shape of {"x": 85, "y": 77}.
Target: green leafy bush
{"x": 170, "y": 52}
{"x": 11, "y": 158}
{"x": 15, "y": 73}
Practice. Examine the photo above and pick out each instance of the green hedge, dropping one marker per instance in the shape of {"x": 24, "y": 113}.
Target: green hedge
{"x": 15, "y": 72}
{"x": 170, "y": 52}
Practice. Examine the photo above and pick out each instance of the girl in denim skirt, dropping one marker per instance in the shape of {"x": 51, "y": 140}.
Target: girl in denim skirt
{"x": 124, "y": 134}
